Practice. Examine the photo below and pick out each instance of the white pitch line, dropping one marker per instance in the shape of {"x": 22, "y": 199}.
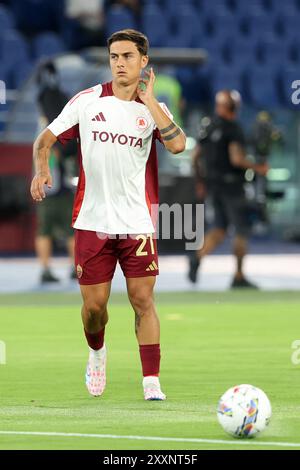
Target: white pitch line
{"x": 153, "y": 438}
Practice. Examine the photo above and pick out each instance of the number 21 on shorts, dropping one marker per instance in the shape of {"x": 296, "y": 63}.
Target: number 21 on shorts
{"x": 141, "y": 251}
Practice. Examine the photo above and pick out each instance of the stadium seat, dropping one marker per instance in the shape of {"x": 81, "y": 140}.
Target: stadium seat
{"x": 21, "y": 73}
{"x": 194, "y": 83}
{"x": 185, "y": 74}
{"x": 281, "y": 7}
{"x": 228, "y": 78}
{"x": 203, "y": 78}
{"x": 242, "y": 50}
{"x": 37, "y": 15}
{"x": 178, "y": 40}
{"x": 274, "y": 52}
{"x": 13, "y": 49}
{"x": 117, "y": 18}
{"x": 222, "y": 24}
{"x": 150, "y": 2}
{"x": 186, "y": 37}
{"x": 156, "y": 25}
{"x": 243, "y": 7}
{"x": 216, "y": 48}
{"x": 293, "y": 45}
{"x": 175, "y": 4}
{"x": 257, "y": 24}
{"x": 4, "y": 76}
{"x": 263, "y": 86}
{"x": 47, "y": 44}
{"x": 213, "y": 7}
{"x": 289, "y": 23}
{"x": 6, "y": 19}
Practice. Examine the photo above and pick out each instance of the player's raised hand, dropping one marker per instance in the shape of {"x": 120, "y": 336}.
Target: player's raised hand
{"x": 37, "y": 185}
{"x": 145, "y": 89}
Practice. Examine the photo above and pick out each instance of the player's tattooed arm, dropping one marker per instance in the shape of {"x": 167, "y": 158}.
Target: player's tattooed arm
{"x": 41, "y": 151}
{"x": 173, "y": 137}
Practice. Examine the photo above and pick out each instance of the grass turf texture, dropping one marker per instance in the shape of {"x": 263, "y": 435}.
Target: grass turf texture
{"x": 210, "y": 342}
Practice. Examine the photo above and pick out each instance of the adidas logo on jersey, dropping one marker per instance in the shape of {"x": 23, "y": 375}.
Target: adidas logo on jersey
{"x": 99, "y": 117}
{"x": 152, "y": 267}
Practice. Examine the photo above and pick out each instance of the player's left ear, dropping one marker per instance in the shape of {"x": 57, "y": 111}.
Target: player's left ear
{"x": 145, "y": 60}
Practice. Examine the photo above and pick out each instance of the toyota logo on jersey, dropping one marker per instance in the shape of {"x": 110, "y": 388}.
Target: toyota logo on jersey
{"x": 121, "y": 139}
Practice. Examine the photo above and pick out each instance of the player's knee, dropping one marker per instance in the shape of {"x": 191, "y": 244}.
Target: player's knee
{"x": 96, "y": 306}
{"x": 141, "y": 300}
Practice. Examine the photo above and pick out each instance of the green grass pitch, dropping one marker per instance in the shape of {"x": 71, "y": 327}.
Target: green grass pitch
{"x": 210, "y": 342}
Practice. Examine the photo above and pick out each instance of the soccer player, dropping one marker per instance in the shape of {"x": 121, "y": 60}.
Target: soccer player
{"x": 116, "y": 125}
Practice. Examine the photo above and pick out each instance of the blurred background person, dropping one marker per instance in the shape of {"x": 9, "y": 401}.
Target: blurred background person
{"x": 264, "y": 137}
{"x": 168, "y": 90}
{"x": 167, "y": 87}
{"x": 53, "y": 216}
{"x": 85, "y": 23}
{"x": 220, "y": 160}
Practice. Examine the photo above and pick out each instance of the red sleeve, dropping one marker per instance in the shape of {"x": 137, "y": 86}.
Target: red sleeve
{"x": 72, "y": 133}
{"x": 157, "y": 135}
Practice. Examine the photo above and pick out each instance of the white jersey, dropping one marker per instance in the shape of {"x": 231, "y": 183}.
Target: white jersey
{"x": 118, "y": 180}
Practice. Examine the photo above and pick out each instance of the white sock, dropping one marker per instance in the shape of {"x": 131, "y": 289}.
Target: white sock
{"x": 151, "y": 380}
{"x": 95, "y": 353}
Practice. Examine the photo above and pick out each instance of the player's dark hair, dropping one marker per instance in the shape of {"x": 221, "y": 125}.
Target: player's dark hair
{"x": 139, "y": 39}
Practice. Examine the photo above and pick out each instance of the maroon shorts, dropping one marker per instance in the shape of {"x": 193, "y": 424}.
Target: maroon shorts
{"x": 96, "y": 256}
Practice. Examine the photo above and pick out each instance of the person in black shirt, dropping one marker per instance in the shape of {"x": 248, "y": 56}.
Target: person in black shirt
{"x": 220, "y": 163}
{"x": 52, "y": 215}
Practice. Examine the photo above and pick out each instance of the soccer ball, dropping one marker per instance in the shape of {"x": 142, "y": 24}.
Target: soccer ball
{"x": 244, "y": 411}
